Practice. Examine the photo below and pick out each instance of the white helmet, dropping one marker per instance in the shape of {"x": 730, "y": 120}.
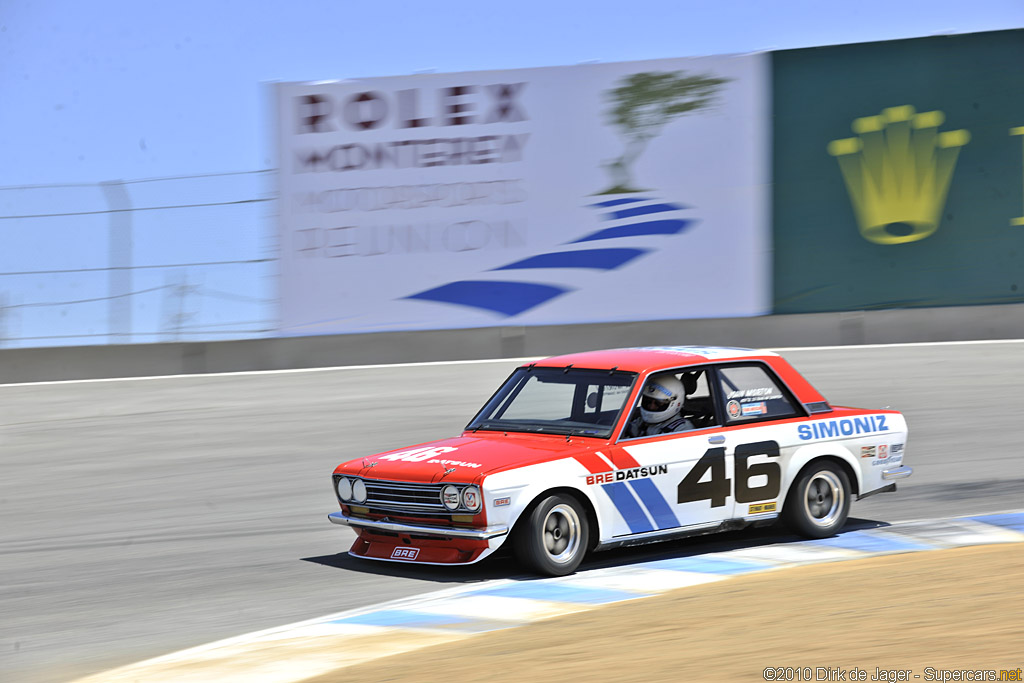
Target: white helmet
{"x": 661, "y": 399}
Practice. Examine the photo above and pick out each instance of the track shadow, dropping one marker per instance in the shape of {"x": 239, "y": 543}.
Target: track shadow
{"x": 502, "y": 565}
{"x": 499, "y": 566}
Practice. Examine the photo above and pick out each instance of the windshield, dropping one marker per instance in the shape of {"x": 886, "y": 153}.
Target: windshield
{"x": 557, "y": 401}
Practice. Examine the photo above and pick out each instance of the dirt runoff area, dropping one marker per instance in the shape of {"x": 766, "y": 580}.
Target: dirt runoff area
{"x": 938, "y": 615}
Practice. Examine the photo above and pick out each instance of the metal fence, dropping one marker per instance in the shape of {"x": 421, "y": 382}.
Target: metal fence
{"x": 148, "y": 260}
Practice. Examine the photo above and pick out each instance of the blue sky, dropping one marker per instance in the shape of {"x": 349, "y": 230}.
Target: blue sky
{"x": 100, "y": 90}
{"x": 135, "y": 91}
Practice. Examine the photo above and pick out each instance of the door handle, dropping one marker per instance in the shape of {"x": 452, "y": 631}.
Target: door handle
{"x": 717, "y": 438}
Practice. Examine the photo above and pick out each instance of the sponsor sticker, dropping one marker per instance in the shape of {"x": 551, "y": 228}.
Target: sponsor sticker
{"x": 469, "y": 497}
{"x": 403, "y": 553}
{"x": 499, "y": 502}
{"x": 832, "y": 429}
{"x": 867, "y": 451}
{"x": 623, "y": 475}
{"x": 733, "y": 407}
{"x": 759, "y": 408}
{"x": 883, "y": 452}
{"x": 757, "y": 508}
{"x": 897, "y": 449}
{"x": 761, "y": 393}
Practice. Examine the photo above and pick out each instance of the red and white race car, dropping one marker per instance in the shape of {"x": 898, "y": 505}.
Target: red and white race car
{"x": 575, "y": 453}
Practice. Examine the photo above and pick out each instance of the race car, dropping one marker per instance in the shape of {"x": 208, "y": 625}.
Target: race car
{"x": 573, "y": 454}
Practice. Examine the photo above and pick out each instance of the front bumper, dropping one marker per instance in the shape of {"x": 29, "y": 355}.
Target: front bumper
{"x": 897, "y": 473}
{"x": 483, "y": 534}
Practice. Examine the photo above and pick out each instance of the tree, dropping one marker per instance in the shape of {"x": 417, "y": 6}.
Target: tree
{"x": 646, "y": 102}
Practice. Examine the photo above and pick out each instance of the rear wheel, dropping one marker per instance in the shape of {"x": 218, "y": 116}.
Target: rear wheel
{"x": 553, "y": 537}
{"x": 819, "y": 501}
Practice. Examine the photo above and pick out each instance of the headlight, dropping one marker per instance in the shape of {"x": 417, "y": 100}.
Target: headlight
{"x": 345, "y": 488}
{"x": 471, "y": 498}
{"x": 450, "y": 497}
{"x": 359, "y": 491}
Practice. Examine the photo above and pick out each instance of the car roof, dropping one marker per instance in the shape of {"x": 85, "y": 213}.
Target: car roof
{"x": 649, "y": 358}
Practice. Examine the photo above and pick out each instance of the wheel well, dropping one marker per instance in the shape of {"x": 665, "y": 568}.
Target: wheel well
{"x": 588, "y": 508}
{"x": 842, "y": 464}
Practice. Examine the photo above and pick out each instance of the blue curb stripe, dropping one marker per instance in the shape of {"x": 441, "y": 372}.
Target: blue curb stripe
{"x": 398, "y": 617}
{"x": 619, "y": 202}
{"x": 643, "y": 210}
{"x": 508, "y": 298}
{"x": 655, "y": 502}
{"x": 705, "y": 565}
{"x": 869, "y": 543}
{"x": 597, "y": 259}
{"x": 627, "y": 506}
{"x": 559, "y": 592}
{"x": 664, "y": 227}
{"x": 1013, "y": 521}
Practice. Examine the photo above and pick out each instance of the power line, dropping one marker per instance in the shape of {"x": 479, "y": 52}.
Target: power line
{"x": 217, "y": 294}
{"x": 44, "y": 304}
{"x": 139, "y": 180}
{"x": 141, "y": 208}
{"x": 147, "y": 267}
{"x": 140, "y": 334}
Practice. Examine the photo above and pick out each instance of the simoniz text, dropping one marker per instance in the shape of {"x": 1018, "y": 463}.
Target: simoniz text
{"x": 623, "y": 475}
{"x": 847, "y": 427}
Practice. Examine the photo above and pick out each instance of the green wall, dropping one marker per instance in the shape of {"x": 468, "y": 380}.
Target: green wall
{"x": 891, "y": 231}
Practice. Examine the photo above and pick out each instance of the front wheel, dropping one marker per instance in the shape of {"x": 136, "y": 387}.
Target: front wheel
{"x": 819, "y": 501}
{"x": 554, "y": 536}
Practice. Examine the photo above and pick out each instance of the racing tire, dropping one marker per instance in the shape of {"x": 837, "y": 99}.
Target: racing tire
{"x": 554, "y": 536}
{"x": 819, "y": 501}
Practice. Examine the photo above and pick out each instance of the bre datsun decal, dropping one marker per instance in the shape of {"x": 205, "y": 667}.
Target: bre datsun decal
{"x": 623, "y": 475}
{"x": 830, "y": 429}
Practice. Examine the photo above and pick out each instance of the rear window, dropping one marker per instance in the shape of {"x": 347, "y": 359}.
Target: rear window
{"x": 750, "y": 393}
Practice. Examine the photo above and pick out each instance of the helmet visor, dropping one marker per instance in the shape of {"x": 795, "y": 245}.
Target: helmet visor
{"x": 655, "y": 405}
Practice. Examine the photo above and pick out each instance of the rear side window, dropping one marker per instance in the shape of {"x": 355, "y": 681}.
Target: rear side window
{"x": 750, "y": 393}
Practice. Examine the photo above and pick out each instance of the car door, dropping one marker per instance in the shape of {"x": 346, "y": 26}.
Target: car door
{"x": 759, "y": 436}
{"x": 671, "y": 481}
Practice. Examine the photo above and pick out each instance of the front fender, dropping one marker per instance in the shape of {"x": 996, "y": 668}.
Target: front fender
{"x": 524, "y": 485}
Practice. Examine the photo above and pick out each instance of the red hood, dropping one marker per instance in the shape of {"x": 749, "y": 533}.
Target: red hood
{"x": 471, "y": 455}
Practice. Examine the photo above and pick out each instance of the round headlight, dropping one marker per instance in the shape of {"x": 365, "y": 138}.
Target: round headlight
{"x": 359, "y": 491}
{"x": 345, "y": 488}
{"x": 471, "y": 498}
{"x": 450, "y": 497}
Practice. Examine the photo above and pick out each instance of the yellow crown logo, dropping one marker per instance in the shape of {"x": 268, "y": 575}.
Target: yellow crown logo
{"x": 897, "y": 172}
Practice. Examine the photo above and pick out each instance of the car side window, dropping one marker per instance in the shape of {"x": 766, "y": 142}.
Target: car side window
{"x": 699, "y": 407}
{"x": 750, "y": 393}
{"x": 697, "y": 410}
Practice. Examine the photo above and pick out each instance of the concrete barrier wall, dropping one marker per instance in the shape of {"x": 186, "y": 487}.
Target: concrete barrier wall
{"x": 819, "y": 329}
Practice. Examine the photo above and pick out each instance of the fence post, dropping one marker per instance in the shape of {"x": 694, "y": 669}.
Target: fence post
{"x": 119, "y": 324}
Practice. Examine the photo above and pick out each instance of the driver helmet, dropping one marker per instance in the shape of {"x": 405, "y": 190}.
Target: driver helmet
{"x": 661, "y": 399}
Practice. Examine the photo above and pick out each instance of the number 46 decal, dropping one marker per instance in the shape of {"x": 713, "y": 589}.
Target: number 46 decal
{"x": 692, "y": 489}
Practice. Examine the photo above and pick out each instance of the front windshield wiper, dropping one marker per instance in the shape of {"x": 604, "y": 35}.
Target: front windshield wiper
{"x": 525, "y": 427}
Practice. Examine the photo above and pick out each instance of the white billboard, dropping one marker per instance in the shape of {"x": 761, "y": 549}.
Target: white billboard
{"x": 593, "y": 193}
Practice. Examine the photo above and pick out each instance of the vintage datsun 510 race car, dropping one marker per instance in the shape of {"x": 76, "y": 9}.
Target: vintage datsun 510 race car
{"x": 573, "y": 454}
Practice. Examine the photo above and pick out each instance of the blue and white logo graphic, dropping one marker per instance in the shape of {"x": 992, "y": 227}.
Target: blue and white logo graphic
{"x": 634, "y": 225}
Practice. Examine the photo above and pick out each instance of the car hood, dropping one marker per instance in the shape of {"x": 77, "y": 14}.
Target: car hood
{"x": 468, "y": 456}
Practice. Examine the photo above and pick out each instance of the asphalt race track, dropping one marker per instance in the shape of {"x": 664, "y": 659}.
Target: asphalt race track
{"x": 142, "y": 517}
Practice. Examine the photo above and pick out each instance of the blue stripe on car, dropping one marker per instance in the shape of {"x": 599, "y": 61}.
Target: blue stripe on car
{"x": 627, "y": 506}
{"x": 656, "y": 504}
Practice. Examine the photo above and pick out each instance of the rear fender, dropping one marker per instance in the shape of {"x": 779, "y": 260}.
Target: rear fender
{"x": 826, "y": 449}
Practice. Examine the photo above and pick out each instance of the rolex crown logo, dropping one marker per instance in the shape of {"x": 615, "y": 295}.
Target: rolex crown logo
{"x": 897, "y": 172}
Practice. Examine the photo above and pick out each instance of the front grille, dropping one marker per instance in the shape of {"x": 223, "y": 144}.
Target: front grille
{"x": 405, "y": 498}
